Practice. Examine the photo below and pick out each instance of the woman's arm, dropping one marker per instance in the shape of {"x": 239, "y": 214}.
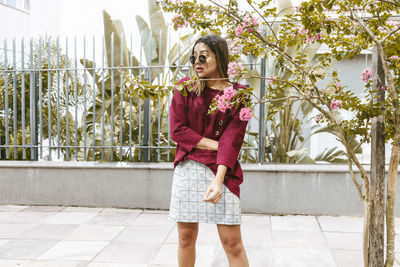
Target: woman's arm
{"x": 180, "y": 132}
{"x": 208, "y": 144}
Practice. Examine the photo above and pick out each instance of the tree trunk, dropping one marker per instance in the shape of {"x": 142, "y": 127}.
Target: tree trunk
{"x": 376, "y": 227}
{"x": 391, "y": 194}
{"x": 367, "y": 223}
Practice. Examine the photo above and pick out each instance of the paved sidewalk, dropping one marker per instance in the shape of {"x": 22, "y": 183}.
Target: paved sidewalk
{"x": 105, "y": 237}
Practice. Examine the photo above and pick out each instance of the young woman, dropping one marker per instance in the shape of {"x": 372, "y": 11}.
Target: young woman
{"x": 207, "y": 173}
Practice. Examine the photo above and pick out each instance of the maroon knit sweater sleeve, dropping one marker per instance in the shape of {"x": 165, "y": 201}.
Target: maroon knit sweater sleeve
{"x": 231, "y": 140}
{"x": 184, "y": 136}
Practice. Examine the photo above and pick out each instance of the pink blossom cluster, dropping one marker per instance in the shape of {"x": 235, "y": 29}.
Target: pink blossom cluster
{"x": 224, "y": 101}
{"x": 248, "y": 24}
{"x": 245, "y": 114}
{"x": 384, "y": 87}
{"x": 366, "y": 75}
{"x": 335, "y": 104}
{"x": 394, "y": 57}
{"x": 180, "y": 22}
{"x": 302, "y": 31}
{"x": 229, "y": 92}
{"x": 309, "y": 39}
{"x": 234, "y": 70}
{"x": 338, "y": 84}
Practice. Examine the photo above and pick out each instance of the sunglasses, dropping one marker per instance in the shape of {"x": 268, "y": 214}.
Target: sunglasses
{"x": 202, "y": 59}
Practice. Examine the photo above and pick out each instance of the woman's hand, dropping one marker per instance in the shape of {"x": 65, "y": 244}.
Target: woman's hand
{"x": 214, "y": 192}
{"x": 207, "y": 144}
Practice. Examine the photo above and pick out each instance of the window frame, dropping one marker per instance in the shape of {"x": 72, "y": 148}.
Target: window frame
{"x": 21, "y": 5}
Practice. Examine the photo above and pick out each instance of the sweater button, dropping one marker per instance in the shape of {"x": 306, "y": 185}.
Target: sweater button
{"x": 221, "y": 122}
{"x": 216, "y": 133}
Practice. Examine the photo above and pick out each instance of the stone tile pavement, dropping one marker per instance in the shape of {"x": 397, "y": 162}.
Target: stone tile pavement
{"x": 106, "y": 237}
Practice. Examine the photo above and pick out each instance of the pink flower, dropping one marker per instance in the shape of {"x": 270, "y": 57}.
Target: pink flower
{"x": 384, "y": 87}
{"x": 245, "y": 114}
{"x": 394, "y": 57}
{"x": 254, "y": 20}
{"x": 246, "y": 18}
{"x": 310, "y": 39}
{"x": 239, "y": 30}
{"x": 319, "y": 36}
{"x": 302, "y": 31}
{"x": 176, "y": 18}
{"x": 250, "y": 29}
{"x": 335, "y": 104}
{"x": 337, "y": 84}
{"x": 229, "y": 93}
{"x": 234, "y": 69}
{"x": 366, "y": 75}
{"x": 185, "y": 22}
{"x": 222, "y": 103}
{"x": 180, "y": 26}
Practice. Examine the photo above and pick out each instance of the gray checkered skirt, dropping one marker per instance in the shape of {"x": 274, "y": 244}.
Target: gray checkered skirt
{"x": 190, "y": 183}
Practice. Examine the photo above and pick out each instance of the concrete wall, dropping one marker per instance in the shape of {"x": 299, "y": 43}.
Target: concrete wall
{"x": 275, "y": 189}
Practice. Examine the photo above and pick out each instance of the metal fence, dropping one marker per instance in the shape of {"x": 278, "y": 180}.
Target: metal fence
{"x": 60, "y": 102}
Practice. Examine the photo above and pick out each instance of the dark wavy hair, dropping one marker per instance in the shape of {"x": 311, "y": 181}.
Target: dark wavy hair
{"x": 219, "y": 47}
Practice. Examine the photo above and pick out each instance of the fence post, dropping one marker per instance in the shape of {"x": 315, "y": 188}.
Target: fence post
{"x": 146, "y": 122}
{"x": 261, "y": 126}
{"x": 34, "y": 115}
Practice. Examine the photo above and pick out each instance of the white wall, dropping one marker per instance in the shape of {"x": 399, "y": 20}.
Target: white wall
{"x": 42, "y": 19}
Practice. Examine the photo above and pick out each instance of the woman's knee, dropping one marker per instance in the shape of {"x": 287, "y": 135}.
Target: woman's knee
{"x": 233, "y": 246}
{"x": 187, "y": 236}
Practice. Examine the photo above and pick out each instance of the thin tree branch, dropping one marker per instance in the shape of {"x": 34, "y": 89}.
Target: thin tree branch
{"x": 391, "y": 33}
{"x": 266, "y": 22}
{"x": 388, "y": 2}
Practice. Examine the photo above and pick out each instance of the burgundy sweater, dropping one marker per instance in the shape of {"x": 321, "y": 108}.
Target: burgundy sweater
{"x": 189, "y": 122}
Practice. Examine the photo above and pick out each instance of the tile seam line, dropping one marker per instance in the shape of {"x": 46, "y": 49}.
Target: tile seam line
{"x": 162, "y": 244}
{"x": 58, "y": 241}
{"x": 109, "y": 242}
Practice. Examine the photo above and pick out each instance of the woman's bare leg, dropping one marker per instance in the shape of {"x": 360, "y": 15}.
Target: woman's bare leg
{"x": 231, "y": 240}
{"x": 187, "y": 243}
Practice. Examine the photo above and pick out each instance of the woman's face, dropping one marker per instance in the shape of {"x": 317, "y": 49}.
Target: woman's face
{"x": 209, "y": 68}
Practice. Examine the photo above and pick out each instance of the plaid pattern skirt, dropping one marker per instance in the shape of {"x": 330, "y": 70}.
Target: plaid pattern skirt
{"x": 190, "y": 183}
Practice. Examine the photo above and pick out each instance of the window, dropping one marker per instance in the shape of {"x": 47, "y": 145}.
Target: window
{"x": 18, "y": 4}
